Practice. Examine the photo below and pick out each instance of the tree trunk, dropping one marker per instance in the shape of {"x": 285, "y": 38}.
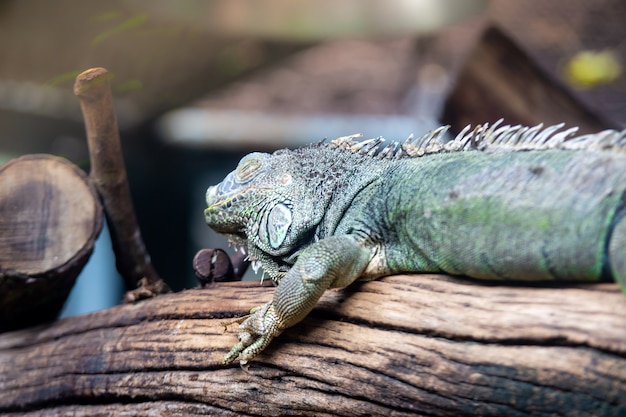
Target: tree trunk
{"x": 50, "y": 216}
{"x": 403, "y": 345}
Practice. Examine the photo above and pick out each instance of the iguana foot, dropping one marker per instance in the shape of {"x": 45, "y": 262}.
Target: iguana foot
{"x": 256, "y": 331}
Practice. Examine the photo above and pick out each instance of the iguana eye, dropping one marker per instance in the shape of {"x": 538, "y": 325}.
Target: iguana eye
{"x": 249, "y": 167}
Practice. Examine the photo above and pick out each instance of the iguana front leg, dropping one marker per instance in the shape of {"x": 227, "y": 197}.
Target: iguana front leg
{"x": 333, "y": 262}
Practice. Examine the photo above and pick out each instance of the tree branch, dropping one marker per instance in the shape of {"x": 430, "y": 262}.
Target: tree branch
{"x": 92, "y": 87}
{"x": 403, "y": 345}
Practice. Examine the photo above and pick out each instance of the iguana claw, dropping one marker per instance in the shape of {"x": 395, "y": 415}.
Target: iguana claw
{"x": 256, "y": 331}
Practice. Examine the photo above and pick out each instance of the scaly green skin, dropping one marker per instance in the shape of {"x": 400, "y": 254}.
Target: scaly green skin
{"x": 325, "y": 215}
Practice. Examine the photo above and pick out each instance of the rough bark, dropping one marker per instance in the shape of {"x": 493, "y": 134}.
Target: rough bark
{"x": 404, "y": 345}
{"x": 50, "y": 216}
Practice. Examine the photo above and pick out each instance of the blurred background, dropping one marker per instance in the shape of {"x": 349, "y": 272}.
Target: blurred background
{"x": 198, "y": 84}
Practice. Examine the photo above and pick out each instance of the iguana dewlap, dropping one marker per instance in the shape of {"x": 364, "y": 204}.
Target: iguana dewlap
{"x": 505, "y": 203}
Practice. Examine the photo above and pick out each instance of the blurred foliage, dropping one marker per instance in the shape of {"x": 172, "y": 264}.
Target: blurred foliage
{"x": 69, "y": 76}
{"x": 127, "y": 24}
{"x": 588, "y": 69}
{"x": 130, "y": 85}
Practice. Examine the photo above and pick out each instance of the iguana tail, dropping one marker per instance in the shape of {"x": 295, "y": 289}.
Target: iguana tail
{"x": 617, "y": 249}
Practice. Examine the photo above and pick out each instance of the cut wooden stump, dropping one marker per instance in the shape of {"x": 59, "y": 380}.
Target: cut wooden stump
{"x": 50, "y": 216}
{"x": 403, "y": 345}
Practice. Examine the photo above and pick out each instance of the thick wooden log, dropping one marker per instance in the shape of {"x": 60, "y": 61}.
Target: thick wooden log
{"x": 50, "y": 216}
{"x": 404, "y": 345}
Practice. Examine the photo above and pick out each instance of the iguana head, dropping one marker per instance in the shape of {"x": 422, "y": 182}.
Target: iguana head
{"x": 271, "y": 204}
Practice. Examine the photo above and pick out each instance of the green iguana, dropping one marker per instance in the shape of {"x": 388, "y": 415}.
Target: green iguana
{"x": 503, "y": 203}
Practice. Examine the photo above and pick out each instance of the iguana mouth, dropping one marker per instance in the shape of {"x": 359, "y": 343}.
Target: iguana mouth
{"x": 223, "y": 222}
{"x": 218, "y": 213}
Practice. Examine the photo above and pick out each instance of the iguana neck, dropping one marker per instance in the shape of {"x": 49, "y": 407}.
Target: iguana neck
{"x": 360, "y": 177}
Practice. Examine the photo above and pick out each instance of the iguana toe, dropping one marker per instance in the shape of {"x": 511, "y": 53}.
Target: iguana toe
{"x": 255, "y": 334}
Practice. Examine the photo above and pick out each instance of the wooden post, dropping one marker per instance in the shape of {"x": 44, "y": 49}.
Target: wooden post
{"x": 108, "y": 172}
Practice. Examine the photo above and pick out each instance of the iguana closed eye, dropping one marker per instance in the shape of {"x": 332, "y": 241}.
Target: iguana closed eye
{"x": 505, "y": 203}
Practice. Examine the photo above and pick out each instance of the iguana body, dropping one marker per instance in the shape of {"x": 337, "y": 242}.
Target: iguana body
{"x": 509, "y": 203}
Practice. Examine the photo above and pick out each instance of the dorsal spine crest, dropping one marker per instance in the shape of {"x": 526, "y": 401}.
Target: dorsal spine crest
{"x": 486, "y": 138}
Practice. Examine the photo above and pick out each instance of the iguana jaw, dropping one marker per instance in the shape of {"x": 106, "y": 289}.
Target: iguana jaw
{"x": 233, "y": 231}
{"x": 221, "y": 216}
{"x": 222, "y": 223}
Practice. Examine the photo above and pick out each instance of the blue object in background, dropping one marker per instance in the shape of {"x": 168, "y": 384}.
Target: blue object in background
{"x": 99, "y": 285}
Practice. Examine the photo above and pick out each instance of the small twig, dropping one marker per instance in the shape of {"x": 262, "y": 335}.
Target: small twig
{"x": 108, "y": 173}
